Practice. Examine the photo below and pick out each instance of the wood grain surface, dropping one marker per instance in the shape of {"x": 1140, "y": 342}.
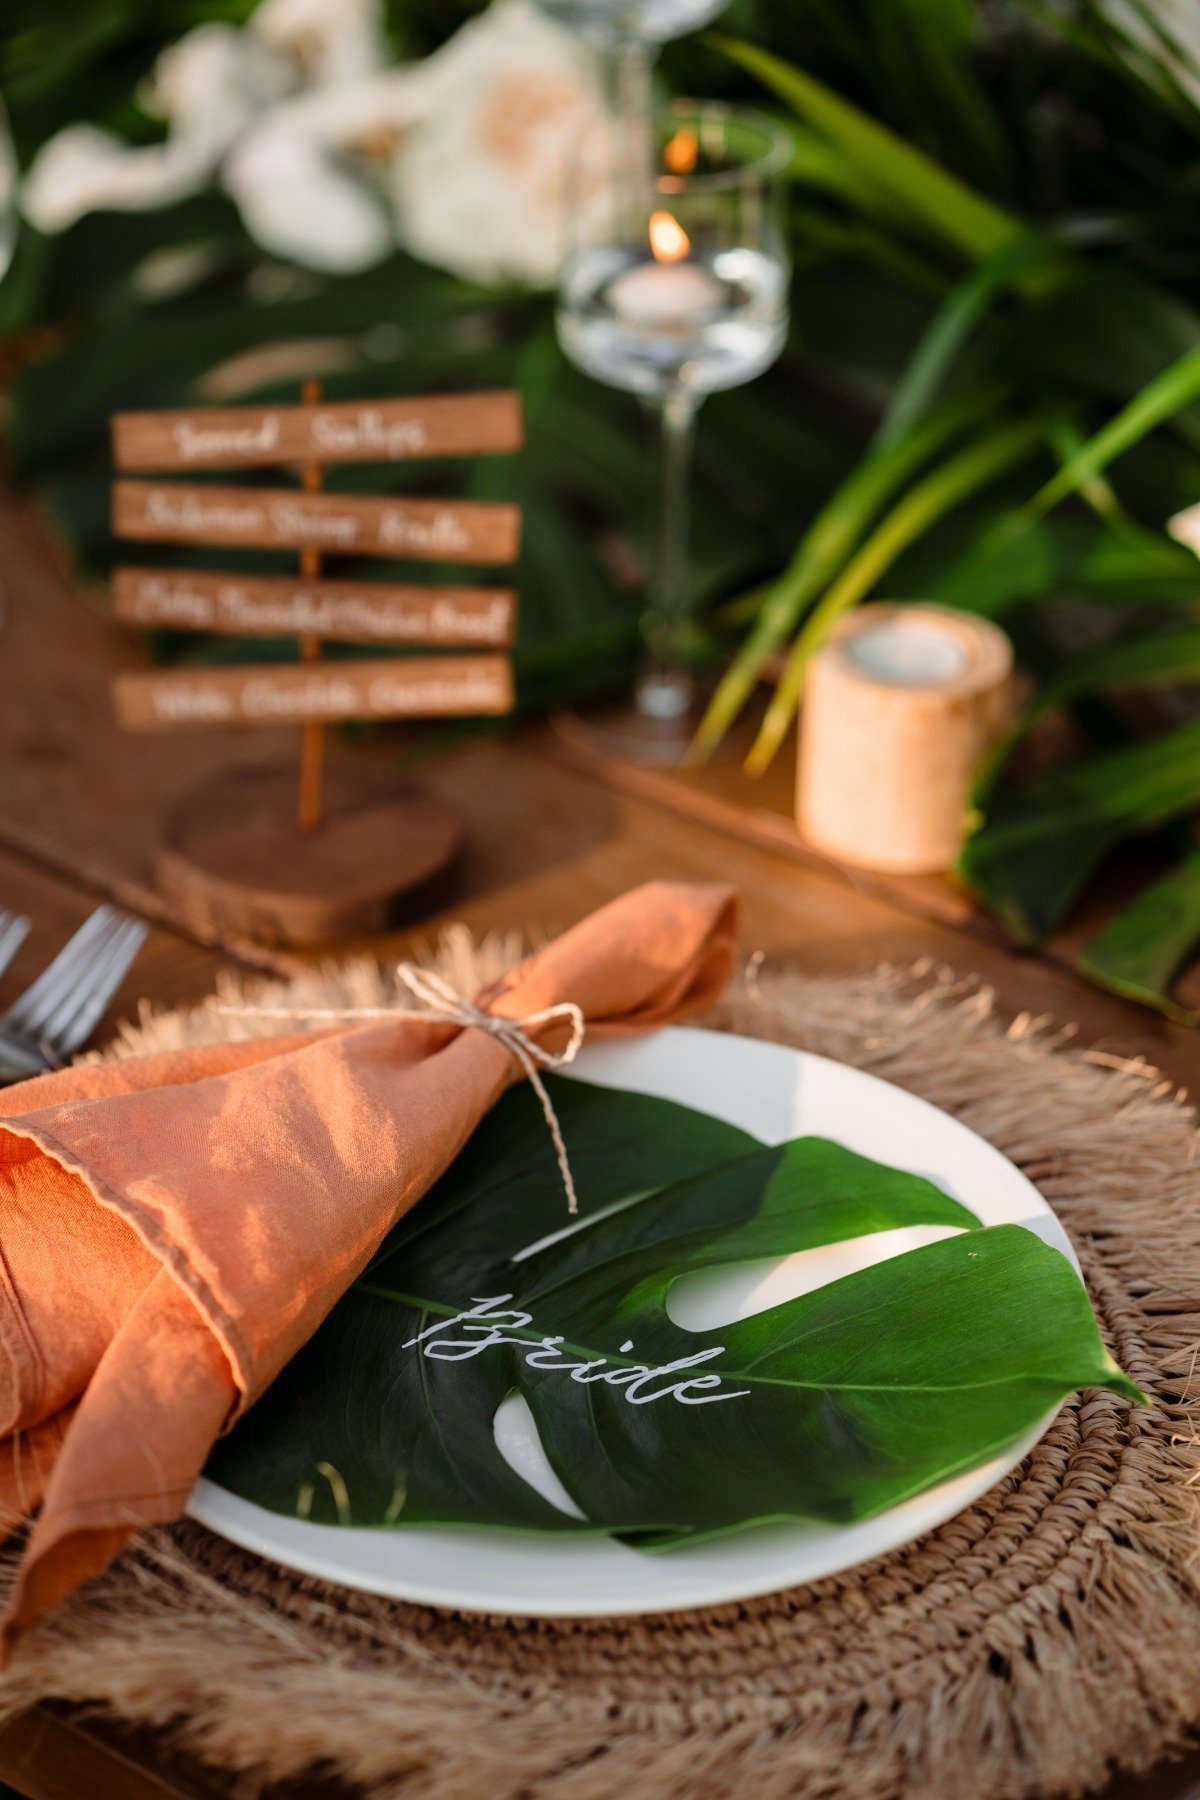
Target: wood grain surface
{"x": 179, "y": 512}
{"x": 354, "y": 612}
{"x": 431, "y": 425}
{"x": 234, "y": 860}
{"x": 425, "y": 687}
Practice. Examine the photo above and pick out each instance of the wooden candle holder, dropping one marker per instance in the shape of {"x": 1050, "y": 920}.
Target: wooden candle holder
{"x": 345, "y": 850}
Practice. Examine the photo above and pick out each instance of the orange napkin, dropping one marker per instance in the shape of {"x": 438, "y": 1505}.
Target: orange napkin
{"x": 174, "y": 1227}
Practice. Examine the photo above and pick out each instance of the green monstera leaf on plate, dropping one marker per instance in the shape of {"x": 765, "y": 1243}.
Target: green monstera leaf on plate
{"x": 832, "y": 1406}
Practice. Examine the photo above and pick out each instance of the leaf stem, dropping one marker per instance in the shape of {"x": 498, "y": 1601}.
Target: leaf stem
{"x": 963, "y": 474}
{"x": 827, "y": 542}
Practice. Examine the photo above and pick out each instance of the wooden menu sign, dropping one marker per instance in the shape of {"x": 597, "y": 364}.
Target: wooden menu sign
{"x": 352, "y": 612}
{"x": 176, "y": 512}
{"x": 424, "y": 687}
{"x": 343, "y": 432}
{"x": 351, "y": 863}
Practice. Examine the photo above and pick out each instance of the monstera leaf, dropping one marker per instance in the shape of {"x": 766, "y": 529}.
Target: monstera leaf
{"x": 832, "y": 1406}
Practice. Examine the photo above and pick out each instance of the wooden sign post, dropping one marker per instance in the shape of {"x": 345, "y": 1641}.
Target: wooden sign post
{"x": 312, "y": 746}
{"x": 359, "y": 848}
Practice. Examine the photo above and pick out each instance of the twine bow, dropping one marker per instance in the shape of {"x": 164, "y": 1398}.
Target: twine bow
{"x": 440, "y": 1001}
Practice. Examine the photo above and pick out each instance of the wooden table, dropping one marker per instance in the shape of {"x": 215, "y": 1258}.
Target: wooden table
{"x": 551, "y": 837}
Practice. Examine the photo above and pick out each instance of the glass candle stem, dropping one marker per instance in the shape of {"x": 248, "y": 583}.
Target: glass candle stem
{"x": 625, "y": 64}
{"x": 665, "y": 687}
{"x": 625, "y": 67}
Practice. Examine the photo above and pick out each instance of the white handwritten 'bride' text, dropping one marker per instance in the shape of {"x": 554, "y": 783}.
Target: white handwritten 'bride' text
{"x": 487, "y": 1324}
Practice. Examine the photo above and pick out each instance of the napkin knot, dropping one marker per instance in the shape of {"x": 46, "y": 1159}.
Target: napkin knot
{"x": 442, "y": 1002}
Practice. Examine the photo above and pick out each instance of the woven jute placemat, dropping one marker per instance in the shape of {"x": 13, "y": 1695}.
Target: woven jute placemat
{"x": 1044, "y": 1636}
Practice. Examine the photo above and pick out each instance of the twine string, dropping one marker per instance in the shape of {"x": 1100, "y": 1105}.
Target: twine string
{"x": 439, "y": 1001}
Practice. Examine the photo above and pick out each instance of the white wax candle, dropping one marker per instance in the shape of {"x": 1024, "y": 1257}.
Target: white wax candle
{"x": 908, "y": 653}
{"x": 658, "y": 294}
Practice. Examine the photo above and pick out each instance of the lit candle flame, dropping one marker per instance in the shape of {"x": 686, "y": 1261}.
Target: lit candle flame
{"x": 669, "y": 242}
{"x": 681, "y": 152}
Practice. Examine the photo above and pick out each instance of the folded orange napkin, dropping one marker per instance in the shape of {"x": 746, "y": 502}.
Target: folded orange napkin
{"x": 174, "y": 1227}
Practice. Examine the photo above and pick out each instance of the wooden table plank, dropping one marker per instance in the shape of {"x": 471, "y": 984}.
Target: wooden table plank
{"x": 758, "y": 809}
{"x": 53, "y": 1754}
{"x": 48, "y": 1756}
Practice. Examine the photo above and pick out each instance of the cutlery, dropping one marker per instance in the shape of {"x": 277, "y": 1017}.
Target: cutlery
{"x": 55, "y": 1016}
{"x": 13, "y": 932}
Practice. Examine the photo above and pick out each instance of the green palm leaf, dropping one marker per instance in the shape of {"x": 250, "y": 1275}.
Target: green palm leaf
{"x": 1163, "y": 659}
{"x": 1043, "y": 839}
{"x": 831, "y": 1406}
{"x": 825, "y": 545}
{"x": 1139, "y": 952}
{"x": 957, "y": 215}
{"x": 1165, "y": 395}
{"x": 962, "y": 474}
{"x": 956, "y": 318}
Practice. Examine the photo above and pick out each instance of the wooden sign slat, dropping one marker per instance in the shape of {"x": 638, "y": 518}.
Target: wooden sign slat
{"x": 351, "y": 612}
{"x": 343, "y": 432}
{"x": 420, "y": 687}
{"x": 176, "y": 512}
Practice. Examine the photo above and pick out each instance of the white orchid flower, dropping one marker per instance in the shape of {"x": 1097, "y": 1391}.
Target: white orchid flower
{"x": 320, "y": 145}
{"x": 307, "y": 179}
{"x": 213, "y": 82}
{"x": 84, "y": 169}
{"x": 479, "y": 182}
{"x": 327, "y": 41}
{"x": 1165, "y": 31}
{"x": 208, "y": 86}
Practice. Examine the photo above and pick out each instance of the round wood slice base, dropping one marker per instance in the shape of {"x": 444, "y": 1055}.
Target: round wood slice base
{"x": 233, "y": 859}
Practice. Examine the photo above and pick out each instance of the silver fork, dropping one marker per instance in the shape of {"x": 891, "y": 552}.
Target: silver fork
{"x": 13, "y": 932}
{"x": 56, "y": 1015}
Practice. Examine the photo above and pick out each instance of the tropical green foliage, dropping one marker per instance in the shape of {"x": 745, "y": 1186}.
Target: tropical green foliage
{"x": 660, "y": 1434}
{"x": 1139, "y": 952}
{"x": 1032, "y": 275}
{"x": 1018, "y": 275}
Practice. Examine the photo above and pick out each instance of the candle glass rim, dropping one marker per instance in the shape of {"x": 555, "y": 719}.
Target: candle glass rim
{"x": 773, "y": 159}
{"x": 607, "y": 26}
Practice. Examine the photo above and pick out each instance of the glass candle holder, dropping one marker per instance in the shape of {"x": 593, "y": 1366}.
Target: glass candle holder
{"x": 675, "y": 285}
{"x": 626, "y": 35}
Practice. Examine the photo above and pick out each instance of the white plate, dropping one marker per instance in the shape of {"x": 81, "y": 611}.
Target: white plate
{"x": 775, "y": 1094}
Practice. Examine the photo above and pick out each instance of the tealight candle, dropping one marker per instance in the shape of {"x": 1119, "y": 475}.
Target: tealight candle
{"x": 670, "y": 291}
{"x": 656, "y": 295}
{"x": 908, "y": 652}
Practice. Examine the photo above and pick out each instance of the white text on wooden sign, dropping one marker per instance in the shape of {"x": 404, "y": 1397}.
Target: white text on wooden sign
{"x": 176, "y": 512}
{"x": 285, "y": 606}
{"x": 339, "y": 432}
{"x": 397, "y": 688}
